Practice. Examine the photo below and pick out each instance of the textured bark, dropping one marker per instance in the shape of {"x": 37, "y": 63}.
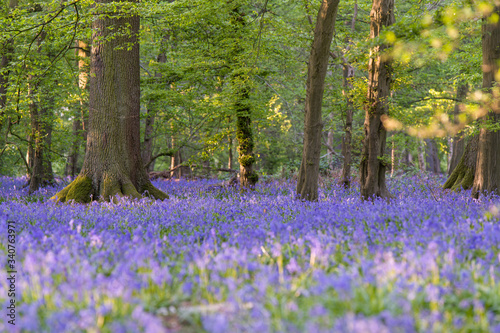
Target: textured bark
{"x": 487, "y": 176}
{"x": 373, "y": 162}
{"x": 113, "y": 164}
{"x": 458, "y": 143}
{"x": 462, "y": 176}
{"x": 6, "y": 55}
{"x": 431, "y": 156}
{"x": 307, "y": 185}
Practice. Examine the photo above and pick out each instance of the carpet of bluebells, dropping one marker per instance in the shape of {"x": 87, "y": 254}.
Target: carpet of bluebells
{"x": 215, "y": 260}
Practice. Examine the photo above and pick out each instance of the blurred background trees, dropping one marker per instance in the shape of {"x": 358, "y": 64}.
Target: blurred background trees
{"x": 195, "y": 62}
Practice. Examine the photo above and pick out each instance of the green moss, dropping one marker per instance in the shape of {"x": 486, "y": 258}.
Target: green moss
{"x": 246, "y": 160}
{"x": 154, "y": 193}
{"x": 109, "y": 188}
{"x": 129, "y": 190}
{"x": 78, "y": 191}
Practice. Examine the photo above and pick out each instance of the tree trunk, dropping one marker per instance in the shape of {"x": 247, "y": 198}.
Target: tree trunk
{"x": 113, "y": 164}
{"x": 373, "y": 161}
{"x": 462, "y": 176}
{"x": 72, "y": 160}
{"x": 458, "y": 143}
{"x": 348, "y": 72}
{"x": 431, "y": 156}
{"x": 41, "y": 138}
{"x": 240, "y": 83}
{"x": 147, "y": 145}
{"x": 230, "y": 152}
{"x": 147, "y": 148}
{"x": 78, "y": 122}
{"x": 487, "y": 177}
{"x": 244, "y": 134}
{"x": 6, "y": 51}
{"x": 307, "y": 185}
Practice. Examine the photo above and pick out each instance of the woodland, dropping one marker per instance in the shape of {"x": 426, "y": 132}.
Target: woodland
{"x": 250, "y": 165}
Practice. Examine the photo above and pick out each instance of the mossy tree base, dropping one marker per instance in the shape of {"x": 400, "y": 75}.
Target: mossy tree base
{"x": 113, "y": 166}
{"x": 82, "y": 190}
{"x": 462, "y": 176}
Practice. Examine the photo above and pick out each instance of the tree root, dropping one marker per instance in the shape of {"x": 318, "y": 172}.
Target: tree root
{"x": 81, "y": 190}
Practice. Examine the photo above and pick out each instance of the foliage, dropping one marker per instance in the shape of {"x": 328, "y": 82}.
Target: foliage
{"x": 224, "y": 261}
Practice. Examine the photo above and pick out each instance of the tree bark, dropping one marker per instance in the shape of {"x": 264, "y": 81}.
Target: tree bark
{"x": 487, "y": 176}
{"x": 230, "y": 152}
{"x": 78, "y": 127}
{"x": 113, "y": 164}
{"x": 147, "y": 148}
{"x": 307, "y": 185}
{"x": 348, "y": 74}
{"x": 431, "y": 156}
{"x": 147, "y": 145}
{"x": 240, "y": 81}
{"x": 458, "y": 143}
{"x": 462, "y": 176}
{"x": 41, "y": 139}
{"x": 373, "y": 162}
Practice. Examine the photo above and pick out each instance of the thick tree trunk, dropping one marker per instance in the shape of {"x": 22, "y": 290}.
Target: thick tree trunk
{"x": 113, "y": 163}
{"x": 373, "y": 161}
{"x": 487, "y": 177}
{"x": 431, "y": 156}
{"x": 307, "y": 185}
{"x": 462, "y": 176}
{"x": 458, "y": 143}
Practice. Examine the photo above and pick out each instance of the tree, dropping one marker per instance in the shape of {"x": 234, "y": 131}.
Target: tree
{"x": 458, "y": 143}
{"x": 307, "y": 185}
{"x": 348, "y": 74}
{"x": 113, "y": 163}
{"x": 240, "y": 82}
{"x": 487, "y": 176}
{"x": 78, "y": 130}
{"x": 462, "y": 176}
{"x": 373, "y": 163}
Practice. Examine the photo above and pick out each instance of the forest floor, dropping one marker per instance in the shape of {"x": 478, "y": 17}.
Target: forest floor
{"x": 212, "y": 259}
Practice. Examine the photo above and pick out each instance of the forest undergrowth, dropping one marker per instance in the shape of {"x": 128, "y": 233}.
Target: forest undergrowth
{"x": 216, "y": 260}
